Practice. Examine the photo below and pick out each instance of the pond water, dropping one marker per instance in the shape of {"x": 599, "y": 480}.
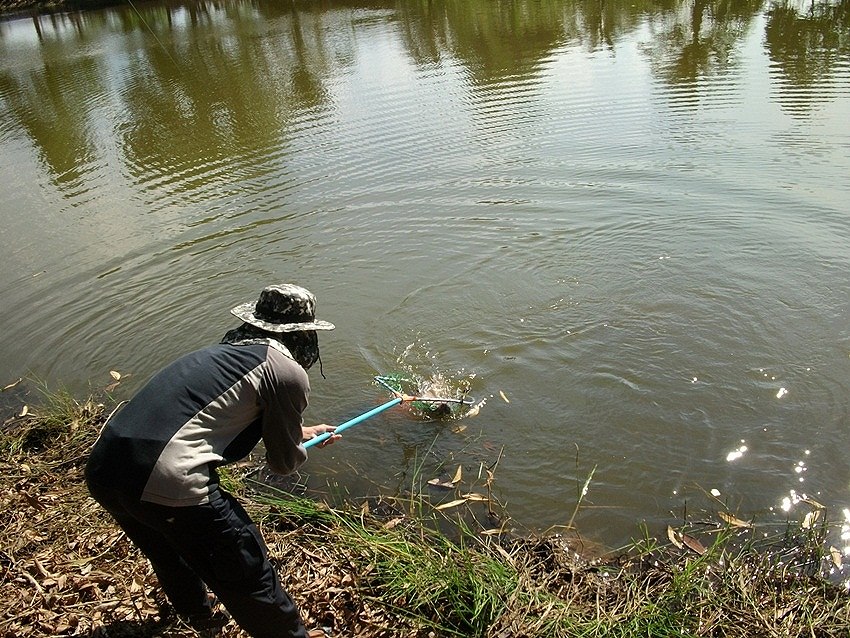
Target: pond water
{"x": 625, "y": 225}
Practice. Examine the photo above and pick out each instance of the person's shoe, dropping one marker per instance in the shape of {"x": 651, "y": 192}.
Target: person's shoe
{"x": 201, "y": 622}
{"x": 207, "y": 625}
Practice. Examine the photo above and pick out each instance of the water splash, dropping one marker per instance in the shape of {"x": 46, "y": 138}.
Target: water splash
{"x": 422, "y": 375}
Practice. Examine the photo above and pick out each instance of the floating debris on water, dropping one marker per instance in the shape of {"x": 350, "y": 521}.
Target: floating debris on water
{"x": 449, "y": 485}
{"x": 11, "y": 385}
{"x": 734, "y": 521}
{"x": 475, "y": 409}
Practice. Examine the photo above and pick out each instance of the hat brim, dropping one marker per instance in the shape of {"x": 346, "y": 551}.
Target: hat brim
{"x": 245, "y": 312}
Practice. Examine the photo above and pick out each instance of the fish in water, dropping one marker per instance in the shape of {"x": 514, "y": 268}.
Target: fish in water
{"x": 434, "y": 408}
{"x": 435, "y": 388}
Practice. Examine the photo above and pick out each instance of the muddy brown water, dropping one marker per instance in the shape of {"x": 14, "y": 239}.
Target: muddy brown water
{"x": 625, "y": 226}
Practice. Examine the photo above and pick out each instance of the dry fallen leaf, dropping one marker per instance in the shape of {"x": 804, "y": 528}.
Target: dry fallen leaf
{"x": 33, "y": 501}
{"x": 731, "y": 520}
{"x": 24, "y": 411}
{"x": 811, "y": 519}
{"x": 454, "y": 503}
{"x": 693, "y": 544}
{"x": 836, "y": 557}
{"x": 11, "y": 385}
{"x": 115, "y": 375}
{"x": 472, "y": 496}
{"x": 393, "y": 523}
{"x": 458, "y": 474}
{"x": 444, "y": 484}
{"x": 674, "y": 537}
{"x": 504, "y": 398}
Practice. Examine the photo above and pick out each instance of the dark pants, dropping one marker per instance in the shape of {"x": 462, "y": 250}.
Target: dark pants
{"x": 215, "y": 543}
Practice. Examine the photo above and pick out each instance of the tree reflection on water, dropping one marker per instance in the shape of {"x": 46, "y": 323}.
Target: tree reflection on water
{"x": 204, "y": 81}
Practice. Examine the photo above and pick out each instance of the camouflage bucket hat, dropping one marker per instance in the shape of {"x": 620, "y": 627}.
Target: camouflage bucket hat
{"x": 282, "y": 308}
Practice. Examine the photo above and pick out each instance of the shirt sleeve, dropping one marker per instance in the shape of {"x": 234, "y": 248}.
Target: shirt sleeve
{"x": 284, "y": 395}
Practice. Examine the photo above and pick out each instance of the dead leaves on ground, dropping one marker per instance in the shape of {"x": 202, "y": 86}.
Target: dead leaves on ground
{"x": 67, "y": 570}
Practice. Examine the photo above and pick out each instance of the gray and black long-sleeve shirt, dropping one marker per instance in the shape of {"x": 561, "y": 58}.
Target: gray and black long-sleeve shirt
{"x": 208, "y": 408}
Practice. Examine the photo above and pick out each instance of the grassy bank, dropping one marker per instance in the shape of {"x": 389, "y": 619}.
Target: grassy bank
{"x": 381, "y": 569}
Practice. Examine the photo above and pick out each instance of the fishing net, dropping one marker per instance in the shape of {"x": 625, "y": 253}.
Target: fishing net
{"x": 424, "y": 400}
{"x": 433, "y": 397}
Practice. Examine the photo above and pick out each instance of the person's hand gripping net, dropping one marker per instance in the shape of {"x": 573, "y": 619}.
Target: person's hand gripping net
{"x": 312, "y": 431}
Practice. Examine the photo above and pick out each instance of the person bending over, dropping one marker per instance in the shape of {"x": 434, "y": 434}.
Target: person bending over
{"x": 154, "y": 465}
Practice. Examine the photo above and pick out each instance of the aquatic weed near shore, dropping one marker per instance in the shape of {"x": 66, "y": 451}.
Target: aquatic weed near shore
{"x": 381, "y": 571}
